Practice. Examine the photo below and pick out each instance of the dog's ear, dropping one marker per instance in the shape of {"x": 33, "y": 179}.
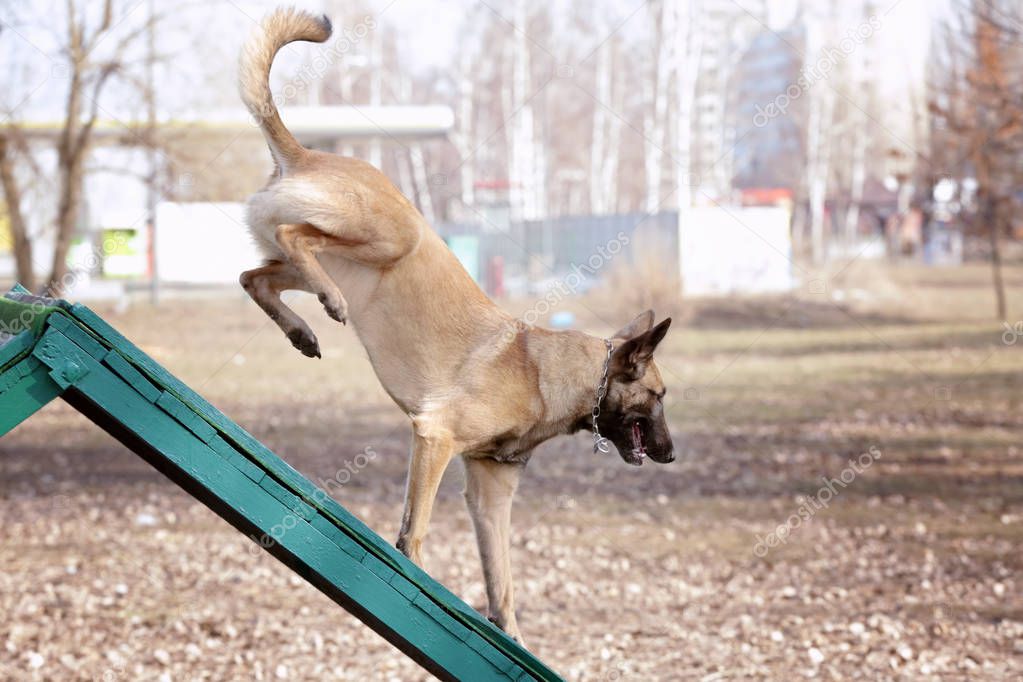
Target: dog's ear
{"x": 639, "y": 325}
{"x": 631, "y": 358}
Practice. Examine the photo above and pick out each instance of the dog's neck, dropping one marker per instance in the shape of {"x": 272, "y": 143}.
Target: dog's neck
{"x": 569, "y": 389}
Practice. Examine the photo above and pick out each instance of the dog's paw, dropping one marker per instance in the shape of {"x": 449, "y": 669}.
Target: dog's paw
{"x": 336, "y": 307}
{"x": 305, "y": 342}
{"x": 511, "y": 630}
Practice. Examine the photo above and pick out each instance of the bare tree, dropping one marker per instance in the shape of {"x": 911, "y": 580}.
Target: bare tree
{"x": 464, "y": 138}
{"x": 606, "y": 134}
{"x": 524, "y": 188}
{"x": 820, "y": 119}
{"x": 96, "y": 43}
{"x": 25, "y": 267}
{"x": 978, "y": 110}
{"x": 81, "y": 111}
{"x": 656, "y": 95}
{"x": 689, "y": 44}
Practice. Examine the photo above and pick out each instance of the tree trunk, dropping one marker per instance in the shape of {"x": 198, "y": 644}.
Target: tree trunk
{"x": 522, "y": 191}
{"x": 598, "y": 141}
{"x": 421, "y": 182}
{"x": 67, "y": 219}
{"x": 657, "y": 109}
{"x": 690, "y": 49}
{"x": 818, "y": 144}
{"x": 614, "y": 139}
{"x": 858, "y": 179}
{"x": 70, "y": 154}
{"x": 19, "y": 233}
{"x": 465, "y": 136}
{"x": 376, "y": 154}
{"x": 996, "y": 264}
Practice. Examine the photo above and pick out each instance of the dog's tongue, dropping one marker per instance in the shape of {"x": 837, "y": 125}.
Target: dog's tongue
{"x": 637, "y": 440}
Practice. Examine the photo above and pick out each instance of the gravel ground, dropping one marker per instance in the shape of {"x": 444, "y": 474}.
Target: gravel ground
{"x": 910, "y": 571}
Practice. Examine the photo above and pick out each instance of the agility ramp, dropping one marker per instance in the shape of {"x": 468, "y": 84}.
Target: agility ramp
{"x": 51, "y": 349}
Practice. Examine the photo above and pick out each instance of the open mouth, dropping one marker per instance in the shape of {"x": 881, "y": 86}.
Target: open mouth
{"x": 638, "y": 453}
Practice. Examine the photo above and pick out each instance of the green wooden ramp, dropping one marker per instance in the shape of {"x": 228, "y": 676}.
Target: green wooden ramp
{"x": 51, "y": 349}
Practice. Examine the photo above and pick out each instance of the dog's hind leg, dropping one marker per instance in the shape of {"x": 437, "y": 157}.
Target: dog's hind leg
{"x": 489, "y": 489}
{"x": 264, "y": 285}
{"x": 432, "y": 449}
{"x": 302, "y": 243}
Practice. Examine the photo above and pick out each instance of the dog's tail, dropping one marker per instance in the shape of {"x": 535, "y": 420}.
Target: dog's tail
{"x": 280, "y": 27}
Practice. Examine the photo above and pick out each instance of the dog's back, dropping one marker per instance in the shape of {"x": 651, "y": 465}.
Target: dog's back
{"x": 335, "y": 223}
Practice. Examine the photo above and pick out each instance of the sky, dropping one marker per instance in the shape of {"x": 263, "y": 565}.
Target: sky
{"x": 430, "y": 28}
{"x": 429, "y": 36}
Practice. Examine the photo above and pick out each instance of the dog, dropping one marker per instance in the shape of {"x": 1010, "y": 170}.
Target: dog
{"x": 474, "y": 381}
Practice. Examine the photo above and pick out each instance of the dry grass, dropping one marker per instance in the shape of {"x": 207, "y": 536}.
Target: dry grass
{"x": 912, "y": 572}
{"x": 645, "y": 278}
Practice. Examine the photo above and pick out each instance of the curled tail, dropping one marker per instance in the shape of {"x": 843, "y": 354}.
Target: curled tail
{"x": 278, "y": 28}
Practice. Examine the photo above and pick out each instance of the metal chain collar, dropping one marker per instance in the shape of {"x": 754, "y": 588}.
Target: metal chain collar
{"x": 601, "y": 444}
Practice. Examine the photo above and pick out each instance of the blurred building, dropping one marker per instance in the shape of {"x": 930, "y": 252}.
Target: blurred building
{"x": 728, "y": 27}
{"x": 767, "y": 110}
{"x": 115, "y": 240}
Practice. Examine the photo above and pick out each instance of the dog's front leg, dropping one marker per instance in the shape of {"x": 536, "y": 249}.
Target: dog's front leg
{"x": 432, "y": 449}
{"x": 489, "y": 489}
{"x": 264, "y": 285}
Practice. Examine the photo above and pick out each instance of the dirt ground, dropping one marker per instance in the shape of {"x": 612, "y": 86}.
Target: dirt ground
{"x": 847, "y": 504}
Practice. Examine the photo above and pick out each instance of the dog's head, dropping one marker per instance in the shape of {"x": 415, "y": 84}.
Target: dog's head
{"x": 632, "y": 413}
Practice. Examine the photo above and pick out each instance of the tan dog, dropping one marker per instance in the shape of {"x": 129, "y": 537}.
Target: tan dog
{"x": 474, "y": 381}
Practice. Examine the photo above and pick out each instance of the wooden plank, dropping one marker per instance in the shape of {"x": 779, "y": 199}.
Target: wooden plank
{"x": 445, "y": 620}
{"x": 16, "y": 348}
{"x": 82, "y": 338}
{"x": 282, "y": 473}
{"x": 244, "y": 440}
{"x": 237, "y": 460}
{"x": 15, "y": 373}
{"x": 186, "y": 416}
{"x": 124, "y": 369}
{"x": 287, "y": 498}
{"x": 382, "y": 570}
{"x": 20, "y": 316}
{"x": 194, "y": 457}
{"x": 28, "y": 395}
{"x": 338, "y": 537}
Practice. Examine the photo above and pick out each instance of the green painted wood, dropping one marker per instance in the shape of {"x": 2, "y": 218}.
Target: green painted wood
{"x": 17, "y": 372}
{"x": 186, "y": 416}
{"x": 237, "y": 459}
{"x": 329, "y": 529}
{"x": 299, "y": 485}
{"x": 82, "y": 338}
{"x": 15, "y": 348}
{"x": 33, "y": 390}
{"x": 67, "y": 362}
{"x": 17, "y": 317}
{"x": 126, "y": 371}
{"x": 162, "y": 419}
{"x": 431, "y": 630}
